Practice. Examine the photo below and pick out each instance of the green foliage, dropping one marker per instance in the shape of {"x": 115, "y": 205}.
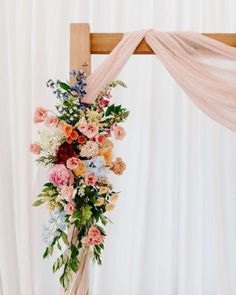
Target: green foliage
{"x": 38, "y": 203}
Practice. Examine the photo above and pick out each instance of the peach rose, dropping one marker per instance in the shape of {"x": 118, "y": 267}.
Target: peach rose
{"x": 118, "y": 166}
{"x": 114, "y": 198}
{"x": 100, "y": 201}
{"x": 110, "y": 207}
{"x": 80, "y": 170}
{"x": 73, "y": 163}
{"x": 51, "y": 121}
{"x": 103, "y": 190}
{"x": 40, "y": 114}
{"x": 35, "y": 148}
{"x": 119, "y": 132}
{"x": 90, "y": 179}
{"x": 67, "y": 192}
{"x": 70, "y": 208}
{"x": 104, "y": 180}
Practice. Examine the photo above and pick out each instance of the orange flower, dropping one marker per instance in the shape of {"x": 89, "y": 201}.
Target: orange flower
{"x": 107, "y": 154}
{"x": 80, "y": 170}
{"x": 67, "y": 128}
{"x": 74, "y": 135}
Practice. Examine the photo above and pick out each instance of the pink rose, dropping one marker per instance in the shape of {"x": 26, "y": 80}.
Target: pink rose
{"x": 119, "y": 132}
{"x": 59, "y": 175}
{"x": 94, "y": 237}
{"x": 82, "y": 125}
{"x": 70, "y": 208}
{"x": 93, "y": 231}
{"x": 40, "y": 114}
{"x": 86, "y": 240}
{"x": 51, "y": 121}
{"x": 91, "y": 130}
{"x": 90, "y": 179}
{"x": 67, "y": 192}
{"x": 98, "y": 240}
{"x": 100, "y": 139}
{"x": 73, "y": 163}
{"x": 35, "y": 148}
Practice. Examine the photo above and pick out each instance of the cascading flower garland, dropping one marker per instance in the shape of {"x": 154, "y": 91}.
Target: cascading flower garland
{"x": 75, "y": 143}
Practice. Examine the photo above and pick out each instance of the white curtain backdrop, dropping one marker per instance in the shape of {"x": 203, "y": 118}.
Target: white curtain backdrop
{"x": 174, "y": 230}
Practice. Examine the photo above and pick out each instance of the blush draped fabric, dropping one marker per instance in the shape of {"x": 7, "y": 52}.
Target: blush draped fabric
{"x": 205, "y": 69}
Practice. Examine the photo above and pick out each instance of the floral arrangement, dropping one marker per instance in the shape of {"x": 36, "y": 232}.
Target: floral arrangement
{"x": 75, "y": 144}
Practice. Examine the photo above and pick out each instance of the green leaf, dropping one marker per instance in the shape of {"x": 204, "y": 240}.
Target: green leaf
{"x": 64, "y": 238}
{"x": 117, "y": 109}
{"x": 86, "y": 213}
{"x": 77, "y": 215}
{"x": 74, "y": 266}
{"x": 48, "y": 184}
{"x": 58, "y": 246}
{"x": 103, "y": 219}
{"x": 45, "y": 254}
{"x": 109, "y": 110}
{"x": 37, "y": 203}
{"x": 50, "y": 250}
{"x": 64, "y": 86}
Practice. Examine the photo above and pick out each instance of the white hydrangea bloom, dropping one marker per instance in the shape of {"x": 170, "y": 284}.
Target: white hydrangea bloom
{"x": 51, "y": 138}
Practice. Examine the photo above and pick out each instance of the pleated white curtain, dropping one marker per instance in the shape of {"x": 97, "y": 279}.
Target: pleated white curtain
{"x": 174, "y": 226}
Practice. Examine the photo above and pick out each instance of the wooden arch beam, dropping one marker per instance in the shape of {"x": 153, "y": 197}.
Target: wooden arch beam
{"x": 83, "y": 44}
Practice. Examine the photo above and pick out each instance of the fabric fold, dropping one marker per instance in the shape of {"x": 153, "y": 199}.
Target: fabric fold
{"x": 203, "y": 67}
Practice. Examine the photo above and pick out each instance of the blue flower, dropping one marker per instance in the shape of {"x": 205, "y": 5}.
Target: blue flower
{"x": 56, "y": 221}
{"x": 96, "y": 166}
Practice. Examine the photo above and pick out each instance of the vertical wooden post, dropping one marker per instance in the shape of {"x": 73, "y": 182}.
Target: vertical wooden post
{"x": 80, "y": 55}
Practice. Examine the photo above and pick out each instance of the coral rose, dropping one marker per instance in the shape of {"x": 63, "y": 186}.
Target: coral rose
{"x": 59, "y": 175}
{"x": 118, "y": 166}
{"x": 100, "y": 139}
{"x": 82, "y": 139}
{"x": 40, "y": 114}
{"x": 119, "y": 132}
{"x": 35, "y": 148}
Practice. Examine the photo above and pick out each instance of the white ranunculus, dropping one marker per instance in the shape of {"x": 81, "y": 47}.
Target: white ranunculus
{"x": 51, "y": 138}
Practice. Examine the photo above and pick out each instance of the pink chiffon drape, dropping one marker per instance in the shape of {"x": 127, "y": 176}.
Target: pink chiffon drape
{"x": 203, "y": 67}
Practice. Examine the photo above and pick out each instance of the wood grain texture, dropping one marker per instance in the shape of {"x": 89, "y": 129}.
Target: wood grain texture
{"x": 103, "y": 43}
{"x": 80, "y": 56}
